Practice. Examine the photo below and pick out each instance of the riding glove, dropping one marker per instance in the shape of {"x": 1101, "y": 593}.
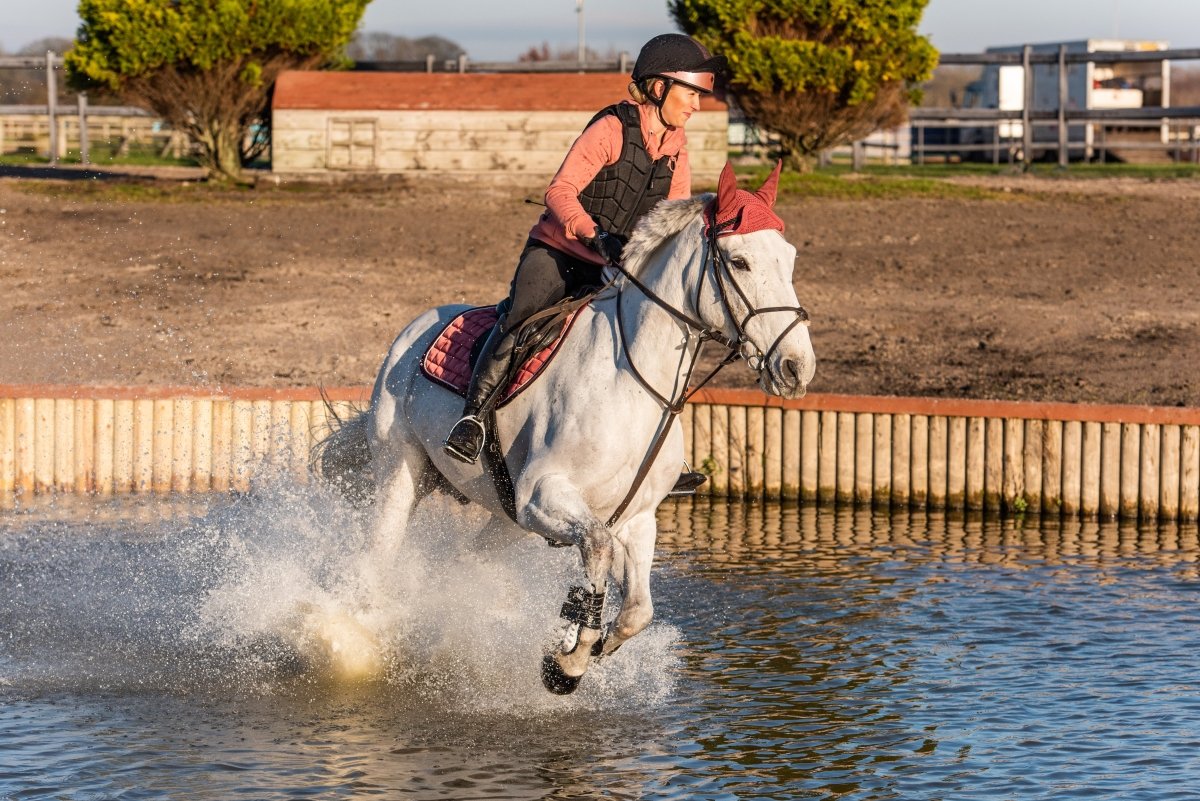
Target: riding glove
{"x": 608, "y": 246}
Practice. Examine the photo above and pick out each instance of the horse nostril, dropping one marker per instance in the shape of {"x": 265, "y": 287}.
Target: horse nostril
{"x": 791, "y": 369}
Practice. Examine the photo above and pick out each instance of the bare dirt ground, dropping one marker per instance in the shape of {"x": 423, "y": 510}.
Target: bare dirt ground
{"x": 1067, "y": 290}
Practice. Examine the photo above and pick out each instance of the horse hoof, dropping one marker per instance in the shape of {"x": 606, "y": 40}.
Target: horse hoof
{"x": 555, "y": 680}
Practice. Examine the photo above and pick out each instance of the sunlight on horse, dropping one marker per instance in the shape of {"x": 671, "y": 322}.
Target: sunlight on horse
{"x": 576, "y": 441}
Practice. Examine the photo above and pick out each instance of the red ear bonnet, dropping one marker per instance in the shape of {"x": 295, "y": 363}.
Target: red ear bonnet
{"x": 740, "y": 212}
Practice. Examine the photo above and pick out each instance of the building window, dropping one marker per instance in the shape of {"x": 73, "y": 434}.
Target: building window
{"x": 351, "y": 144}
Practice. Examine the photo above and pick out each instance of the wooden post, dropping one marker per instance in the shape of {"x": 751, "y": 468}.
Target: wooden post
{"x": 701, "y": 442}
{"x": 52, "y": 106}
{"x": 85, "y": 156}
{"x": 956, "y": 462}
{"x": 901, "y": 456}
{"x": 791, "y": 446}
{"x": 881, "y": 490}
{"x": 1171, "y": 468}
{"x": 1072, "y": 461}
{"x": 1032, "y": 464}
{"x": 976, "y": 481}
{"x": 1148, "y": 478}
{"x": 993, "y": 467}
{"x": 164, "y": 431}
{"x": 202, "y": 444}
{"x": 222, "y": 445}
{"x": 8, "y": 446}
{"x": 919, "y": 469}
{"x": 143, "y": 445}
{"x": 1189, "y": 473}
{"x": 939, "y": 436}
{"x": 844, "y": 492}
{"x": 810, "y": 449}
{"x": 755, "y": 446}
{"x": 827, "y": 471}
{"x": 64, "y": 445}
{"x": 85, "y": 444}
{"x": 1063, "y": 137}
{"x": 242, "y": 445}
{"x": 183, "y": 441}
{"x": 1110, "y": 469}
{"x": 1131, "y": 463}
{"x": 301, "y": 424}
{"x": 43, "y": 445}
{"x": 1026, "y": 117}
{"x": 772, "y": 452}
{"x": 720, "y": 450}
{"x": 1089, "y": 481}
{"x": 1014, "y": 463}
{"x": 26, "y": 433}
{"x": 737, "y": 451}
{"x": 124, "y": 446}
{"x": 261, "y": 436}
{"x": 864, "y": 455}
{"x": 105, "y": 422}
{"x": 1052, "y": 442}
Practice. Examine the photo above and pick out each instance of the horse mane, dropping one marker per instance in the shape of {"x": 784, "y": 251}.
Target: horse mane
{"x": 662, "y": 222}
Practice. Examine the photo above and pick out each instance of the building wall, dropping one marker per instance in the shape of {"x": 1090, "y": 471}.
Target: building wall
{"x": 468, "y": 124}
{"x": 445, "y": 141}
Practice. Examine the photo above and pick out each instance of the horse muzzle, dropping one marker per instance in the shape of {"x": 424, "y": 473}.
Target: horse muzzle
{"x": 788, "y": 375}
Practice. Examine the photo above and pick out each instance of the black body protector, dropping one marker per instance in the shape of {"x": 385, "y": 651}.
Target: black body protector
{"x": 624, "y": 191}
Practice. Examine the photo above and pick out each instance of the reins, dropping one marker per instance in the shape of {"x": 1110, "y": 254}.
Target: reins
{"x": 672, "y": 408}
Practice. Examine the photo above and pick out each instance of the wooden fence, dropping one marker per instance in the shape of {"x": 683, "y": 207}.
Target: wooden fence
{"x": 1051, "y": 459}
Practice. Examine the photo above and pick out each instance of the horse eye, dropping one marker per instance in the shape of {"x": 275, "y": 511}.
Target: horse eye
{"x": 739, "y": 263}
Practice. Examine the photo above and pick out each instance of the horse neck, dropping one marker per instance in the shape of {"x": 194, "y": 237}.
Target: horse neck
{"x": 659, "y": 344}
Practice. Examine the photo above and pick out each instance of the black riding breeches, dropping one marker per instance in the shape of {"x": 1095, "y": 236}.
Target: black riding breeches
{"x": 545, "y": 275}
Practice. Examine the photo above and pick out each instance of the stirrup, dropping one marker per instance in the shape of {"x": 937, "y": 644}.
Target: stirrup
{"x": 463, "y": 444}
{"x": 687, "y": 483}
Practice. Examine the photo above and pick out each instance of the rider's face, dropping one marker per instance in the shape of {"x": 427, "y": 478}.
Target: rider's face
{"x": 680, "y": 104}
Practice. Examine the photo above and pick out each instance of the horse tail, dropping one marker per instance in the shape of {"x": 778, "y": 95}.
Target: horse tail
{"x": 342, "y": 459}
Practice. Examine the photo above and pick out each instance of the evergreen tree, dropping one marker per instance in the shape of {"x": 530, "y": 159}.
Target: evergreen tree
{"x": 207, "y": 66}
{"x": 819, "y": 73}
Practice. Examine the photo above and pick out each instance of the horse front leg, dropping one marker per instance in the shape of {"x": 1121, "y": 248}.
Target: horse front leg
{"x": 556, "y": 510}
{"x": 637, "y": 608}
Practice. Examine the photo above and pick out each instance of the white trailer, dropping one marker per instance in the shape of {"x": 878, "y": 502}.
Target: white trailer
{"x": 1134, "y": 84}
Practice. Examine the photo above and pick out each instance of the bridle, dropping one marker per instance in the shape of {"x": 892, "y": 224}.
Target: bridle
{"x": 718, "y": 265}
{"x": 714, "y": 261}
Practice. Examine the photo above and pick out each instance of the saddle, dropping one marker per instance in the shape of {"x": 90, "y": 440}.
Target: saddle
{"x": 452, "y": 356}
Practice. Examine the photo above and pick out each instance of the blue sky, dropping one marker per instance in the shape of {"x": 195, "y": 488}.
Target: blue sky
{"x": 501, "y": 29}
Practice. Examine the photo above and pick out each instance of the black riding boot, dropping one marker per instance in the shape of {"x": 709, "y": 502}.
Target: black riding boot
{"x": 465, "y": 440}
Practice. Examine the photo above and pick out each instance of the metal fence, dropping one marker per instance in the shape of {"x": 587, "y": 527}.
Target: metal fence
{"x": 1013, "y": 132}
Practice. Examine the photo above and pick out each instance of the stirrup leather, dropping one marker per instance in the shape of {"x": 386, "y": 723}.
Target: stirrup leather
{"x": 459, "y": 442}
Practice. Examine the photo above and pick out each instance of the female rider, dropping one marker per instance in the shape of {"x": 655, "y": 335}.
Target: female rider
{"x": 630, "y": 156}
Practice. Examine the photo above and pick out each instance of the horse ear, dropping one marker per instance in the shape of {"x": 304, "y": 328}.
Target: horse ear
{"x": 770, "y": 187}
{"x": 727, "y": 188}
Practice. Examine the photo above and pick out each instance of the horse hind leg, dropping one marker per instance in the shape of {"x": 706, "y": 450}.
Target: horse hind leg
{"x": 401, "y": 482}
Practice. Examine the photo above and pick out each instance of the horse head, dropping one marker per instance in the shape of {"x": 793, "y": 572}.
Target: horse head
{"x": 752, "y": 269}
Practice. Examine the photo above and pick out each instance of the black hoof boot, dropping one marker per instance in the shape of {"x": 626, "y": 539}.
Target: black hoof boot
{"x": 465, "y": 441}
{"x": 555, "y": 680}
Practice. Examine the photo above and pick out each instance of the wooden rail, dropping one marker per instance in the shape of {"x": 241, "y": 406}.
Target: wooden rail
{"x": 1077, "y": 460}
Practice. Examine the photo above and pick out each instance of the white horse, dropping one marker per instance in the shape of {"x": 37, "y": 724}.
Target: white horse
{"x": 593, "y": 446}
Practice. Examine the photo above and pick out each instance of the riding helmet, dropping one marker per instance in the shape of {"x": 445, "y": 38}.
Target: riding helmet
{"x": 678, "y": 59}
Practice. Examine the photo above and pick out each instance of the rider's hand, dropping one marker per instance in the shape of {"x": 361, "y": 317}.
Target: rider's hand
{"x": 608, "y": 246}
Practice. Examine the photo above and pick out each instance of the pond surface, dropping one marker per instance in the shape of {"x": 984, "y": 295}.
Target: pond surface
{"x": 147, "y": 650}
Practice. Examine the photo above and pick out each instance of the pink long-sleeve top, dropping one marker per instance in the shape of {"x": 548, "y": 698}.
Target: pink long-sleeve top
{"x": 564, "y": 222}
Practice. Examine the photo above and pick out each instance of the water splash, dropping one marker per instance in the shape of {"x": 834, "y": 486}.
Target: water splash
{"x": 282, "y": 588}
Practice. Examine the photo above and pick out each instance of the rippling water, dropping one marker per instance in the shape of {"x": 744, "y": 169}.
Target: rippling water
{"x": 145, "y": 652}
